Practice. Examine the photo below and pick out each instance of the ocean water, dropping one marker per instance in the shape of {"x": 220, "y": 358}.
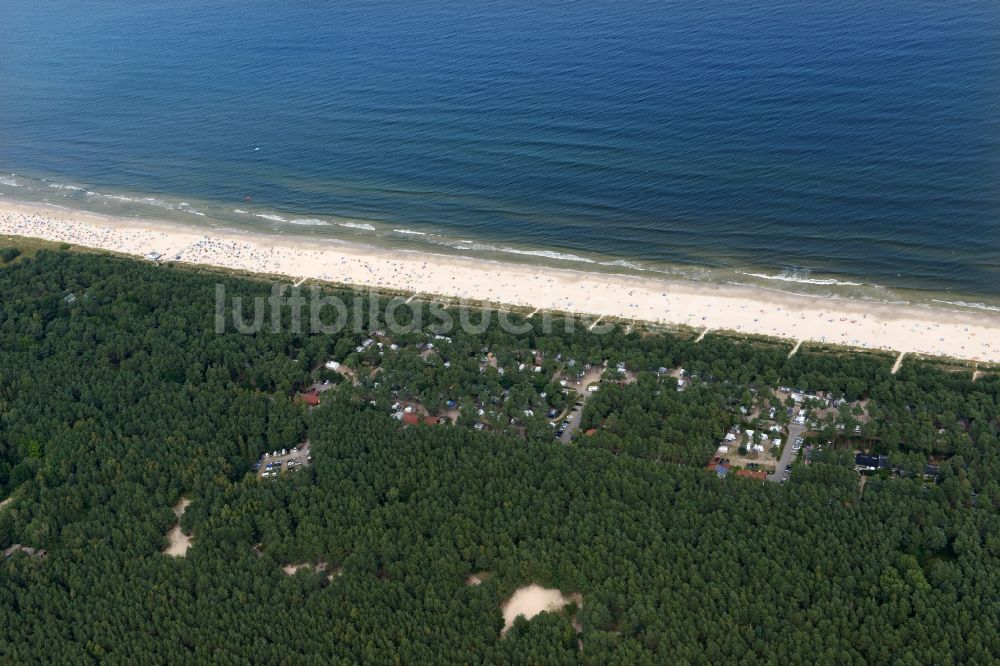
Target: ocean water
{"x": 834, "y": 147}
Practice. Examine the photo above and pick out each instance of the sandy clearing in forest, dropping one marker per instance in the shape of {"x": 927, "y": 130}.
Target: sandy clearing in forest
{"x": 7, "y": 501}
{"x": 179, "y": 542}
{"x": 290, "y": 569}
{"x": 477, "y": 578}
{"x": 531, "y": 600}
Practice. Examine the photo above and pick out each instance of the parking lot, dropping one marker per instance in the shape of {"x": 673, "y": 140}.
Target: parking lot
{"x": 273, "y": 464}
{"x": 584, "y": 387}
{"x": 783, "y": 471}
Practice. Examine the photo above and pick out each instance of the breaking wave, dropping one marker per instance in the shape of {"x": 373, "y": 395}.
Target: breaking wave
{"x": 309, "y": 222}
{"x": 547, "y": 254}
{"x": 146, "y": 201}
{"x": 800, "y": 278}
{"x": 623, "y": 263}
{"x": 270, "y": 216}
{"x": 965, "y": 304}
{"x": 356, "y": 225}
{"x": 469, "y": 245}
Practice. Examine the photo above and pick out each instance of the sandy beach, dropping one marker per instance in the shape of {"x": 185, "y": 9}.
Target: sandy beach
{"x": 971, "y": 336}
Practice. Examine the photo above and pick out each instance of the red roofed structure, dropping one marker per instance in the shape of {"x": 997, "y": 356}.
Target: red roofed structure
{"x": 311, "y": 398}
{"x": 413, "y": 419}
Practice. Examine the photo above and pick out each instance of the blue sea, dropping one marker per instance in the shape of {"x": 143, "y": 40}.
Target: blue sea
{"x": 829, "y": 147}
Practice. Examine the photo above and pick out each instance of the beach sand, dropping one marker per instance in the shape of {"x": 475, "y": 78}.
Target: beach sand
{"x": 971, "y": 336}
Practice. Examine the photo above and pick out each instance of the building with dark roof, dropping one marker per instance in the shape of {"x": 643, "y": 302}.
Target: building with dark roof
{"x": 864, "y": 462}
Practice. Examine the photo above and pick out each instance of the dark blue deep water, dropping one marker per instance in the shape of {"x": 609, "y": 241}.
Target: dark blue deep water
{"x": 819, "y": 142}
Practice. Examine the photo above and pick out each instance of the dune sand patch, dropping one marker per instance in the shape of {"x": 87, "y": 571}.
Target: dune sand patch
{"x": 531, "y": 600}
{"x": 291, "y": 569}
{"x": 477, "y": 578}
{"x": 179, "y": 542}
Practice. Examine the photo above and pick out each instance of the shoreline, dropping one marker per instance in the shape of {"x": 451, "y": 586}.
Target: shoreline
{"x": 382, "y": 232}
{"x": 742, "y": 309}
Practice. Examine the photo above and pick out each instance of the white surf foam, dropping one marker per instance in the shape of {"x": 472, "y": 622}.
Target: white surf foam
{"x": 146, "y": 201}
{"x": 547, "y": 254}
{"x": 965, "y": 304}
{"x": 622, "y": 263}
{"x": 357, "y": 225}
{"x": 309, "y": 222}
{"x": 802, "y": 279}
{"x": 469, "y": 245}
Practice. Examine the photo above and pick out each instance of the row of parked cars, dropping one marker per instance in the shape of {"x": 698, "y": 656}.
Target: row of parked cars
{"x": 796, "y": 447}
{"x": 274, "y": 469}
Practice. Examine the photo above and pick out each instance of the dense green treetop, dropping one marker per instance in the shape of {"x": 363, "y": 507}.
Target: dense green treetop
{"x": 119, "y": 401}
